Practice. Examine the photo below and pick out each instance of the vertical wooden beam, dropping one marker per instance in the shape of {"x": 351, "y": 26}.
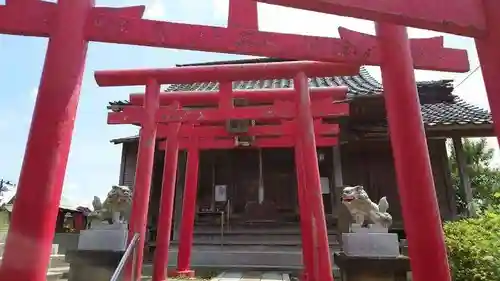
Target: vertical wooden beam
{"x": 160, "y": 261}
{"x": 188, "y": 209}
{"x": 143, "y": 176}
{"x": 31, "y": 231}
{"x": 123, "y": 164}
{"x": 313, "y": 184}
{"x": 243, "y": 14}
{"x": 338, "y": 179}
{"x": 465, "y": 183}
{"x": 411, "y": 157}
{"x": 179, "y": 192}
{"x": 306, "y": 230}
{"x": 489, "y": 58}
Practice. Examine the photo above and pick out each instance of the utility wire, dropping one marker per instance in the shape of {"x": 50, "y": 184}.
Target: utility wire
{"x": 467, "y": 77}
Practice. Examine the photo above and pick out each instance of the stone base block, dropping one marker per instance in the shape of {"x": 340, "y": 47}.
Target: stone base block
{"x": 365, "y": 244}
{"x": 372, "y": 268}
{"x": 92, "y": 265}
{"x": 106, "y": 239}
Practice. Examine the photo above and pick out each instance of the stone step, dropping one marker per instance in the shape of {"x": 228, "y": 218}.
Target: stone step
{"x": 58, "y": 261}
{"x": 247, "y": 260}
{"x": 250, "y": 242}
{"x": 252, "y": 231}
{"x": 57, "y": 273}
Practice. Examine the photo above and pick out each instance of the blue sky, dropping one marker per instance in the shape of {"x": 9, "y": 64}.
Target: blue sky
{"x": 94, "y": 162}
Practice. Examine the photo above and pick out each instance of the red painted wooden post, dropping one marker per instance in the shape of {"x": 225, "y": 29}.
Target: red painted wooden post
{"x": 160, "y": 262}
{"x": 29, "y": 240}
{"x": 489, "y": 57}
{"x": 144, "y": 169}
{"x": 409, "y": 147}
{"x": 313, "y": 184}
{"x": 188, "y": 210}
{"x": 243, "y": 14}
{"x": 305, "y": 215}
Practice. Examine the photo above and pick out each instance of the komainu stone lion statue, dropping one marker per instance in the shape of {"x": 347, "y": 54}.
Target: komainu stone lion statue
{"x": 361, "y": 207}
{"x": 116, "y": 207}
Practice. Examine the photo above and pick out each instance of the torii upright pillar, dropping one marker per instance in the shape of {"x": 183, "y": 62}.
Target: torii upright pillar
{"x": 306, "y": 232}
{"x": 307, "y": 146}
{"x": 409, "y": 147}
{"x": 188, "y": 209}
{"x": 28, "y": 245}
{"x": 166, "y": 203}
{"x": 489, "y": 57}
{"x": 143, "y": 172}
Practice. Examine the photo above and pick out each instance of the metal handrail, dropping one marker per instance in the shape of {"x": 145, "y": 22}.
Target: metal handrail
{"x": 130, "y": 249}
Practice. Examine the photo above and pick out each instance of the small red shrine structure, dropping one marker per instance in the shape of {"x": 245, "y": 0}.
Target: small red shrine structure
{"x": 71, "y": 24}
{"x": 298, "y": 123}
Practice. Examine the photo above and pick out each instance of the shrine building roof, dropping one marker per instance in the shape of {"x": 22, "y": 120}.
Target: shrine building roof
{"x": 440, "y": 107}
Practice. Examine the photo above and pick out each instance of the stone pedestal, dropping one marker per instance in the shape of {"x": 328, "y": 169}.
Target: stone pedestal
{"x": 372, "y": 268}
{"x": 111, "y": 237}
{"x": 371, "y": 254}
{"x": 99, "y": 252}
{"x": 369, "y": 244}
{"x": 92, "y": 265}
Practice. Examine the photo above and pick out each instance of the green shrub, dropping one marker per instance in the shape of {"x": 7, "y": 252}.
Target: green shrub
{"x": 474, "y": 248}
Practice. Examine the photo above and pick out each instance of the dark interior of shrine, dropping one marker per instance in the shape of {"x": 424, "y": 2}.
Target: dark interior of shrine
{"x": 258, "y": 185}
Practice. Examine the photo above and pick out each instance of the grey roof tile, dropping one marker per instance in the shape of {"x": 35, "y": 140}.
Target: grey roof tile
{"x": 439, "y": 106}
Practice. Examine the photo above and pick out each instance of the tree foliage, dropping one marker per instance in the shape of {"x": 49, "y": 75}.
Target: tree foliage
{"x": 474, "y": 243}
{"x": 485, "y": 179}
{"x": 473, "y": 247}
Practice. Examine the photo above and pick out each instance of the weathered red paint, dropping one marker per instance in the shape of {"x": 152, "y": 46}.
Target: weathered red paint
{"x": 66, "y": 22}
{"x": 489, "y": 57}
{"x": 462, "y": 17}
{"x": 306, "y": 226}
{"x": 453, "y": 59}
{"x": 243, "y": 14}
{"x": 188, "y": 208}
{"x": 30, "y": 236}
{"x": 222, "y": 73}
{"x": 411, "y": 158}
{"x": 167, "y": 205}
{"x": 285, "y": 129}
{"x": 262, "y": 142}
{"x": 280, "y": 110}
{"x": 209, "y": 98}
{"x": 308, "y": 144}
{"x": 124, "y": 26}
{"x": 37, "y": 18}
{"x": 143, "y": 172}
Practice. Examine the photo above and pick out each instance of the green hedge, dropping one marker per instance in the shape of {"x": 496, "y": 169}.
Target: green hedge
{"x": 474, "y": 248}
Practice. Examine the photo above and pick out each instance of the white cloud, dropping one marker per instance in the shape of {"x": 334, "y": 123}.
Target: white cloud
{"x": 155, "y": 10}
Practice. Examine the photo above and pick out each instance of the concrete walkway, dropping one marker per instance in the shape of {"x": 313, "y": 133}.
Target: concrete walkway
{"x": 251, "y": 276}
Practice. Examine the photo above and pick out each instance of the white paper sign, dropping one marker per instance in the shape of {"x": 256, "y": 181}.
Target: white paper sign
{"x": 325, "y": 185}
{"x": 220, "y": 193}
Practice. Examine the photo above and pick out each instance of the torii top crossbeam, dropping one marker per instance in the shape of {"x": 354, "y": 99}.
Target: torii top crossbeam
{"x": 125, "y": 26}
{"x": 461, "y": 17}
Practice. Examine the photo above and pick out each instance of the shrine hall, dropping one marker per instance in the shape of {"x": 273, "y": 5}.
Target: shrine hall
{"x": 247, "y": 197}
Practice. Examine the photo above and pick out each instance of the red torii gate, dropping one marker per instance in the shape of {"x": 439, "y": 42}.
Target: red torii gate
{"x": 200, "y": 133}
{"x": 478, "y": 19}
{"x": 71, "y": 24}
